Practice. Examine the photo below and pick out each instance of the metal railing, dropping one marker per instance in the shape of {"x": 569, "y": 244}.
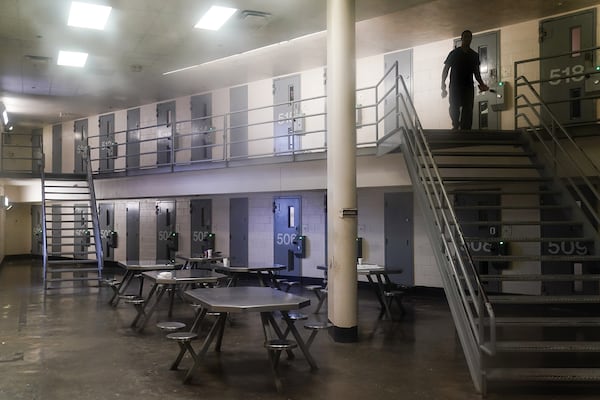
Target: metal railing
{"x": 471, "y": 309}
{"x": 572, "y": 168}
{"x": 212, "y": 141}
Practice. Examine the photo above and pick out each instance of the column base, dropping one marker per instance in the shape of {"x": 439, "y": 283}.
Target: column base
{"x": 344, "y": 335}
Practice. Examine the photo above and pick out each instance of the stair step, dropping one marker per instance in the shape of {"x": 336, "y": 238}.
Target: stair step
{"x": 70, "y": 270}
{"x": 535, "y": 257}
{"x": 540, "y": 277}
{"x": 91, "y": 278}
{"x": 544, "y": 374}
{"x": 549, "y": 321}
{"x": 466, "y": 165}
{"x": 526, "y": 239}
{"x": 513, "y": 207}
{"x": 547, "y": 346}
{"x": 530, "y": 299}
{"x": 520, "y": 222}
{"x": 499, "y": 191}
{"x": 71, "y": 262}
{"x": 474, "y": 153}
{"x": 490, "y": 179}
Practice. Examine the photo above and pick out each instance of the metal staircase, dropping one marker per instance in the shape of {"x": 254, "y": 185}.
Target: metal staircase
{"x": 512, "y": 220}
{"x": 72, "y": 249}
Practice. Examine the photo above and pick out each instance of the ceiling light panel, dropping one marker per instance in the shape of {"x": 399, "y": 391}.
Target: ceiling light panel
{"x": 85, "y": 15}
{"x": 71, "y": 58}
{"x": 215, "y": 17}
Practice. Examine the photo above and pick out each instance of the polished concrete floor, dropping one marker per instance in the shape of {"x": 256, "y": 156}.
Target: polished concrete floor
{"x": 72, "y": 345}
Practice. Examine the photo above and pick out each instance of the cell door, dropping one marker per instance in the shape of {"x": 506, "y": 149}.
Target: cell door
{"x": 55, "y": 227}
{"x": 238, "y": 231}
{"x": 238, "y": 122}
{"x": 286, "y": 96}
{"x": 133, "y": 139}
{"x": 82, "y": 233}
{"x": 399, "y": 236}
{"x": 203, "y": 135}
{"x": 106, "y": 218}
{"x": 57, "y": 149}
{"x": 565, "y": 75}
{"x": 287, "y": 214}
{"x": 201, "y": 226}
{"x": 133, "y": 230}
{"x": 80, "y": 131}
{"x": 165, "y": 121}
{"x": 165, "y": 227}
{"x": 487, "y": 45}
{"x": 36, "y": 230}
{"x": 36, "y": 150}
{"x": 404, "y": 59}
{"x": 108, "y": 146}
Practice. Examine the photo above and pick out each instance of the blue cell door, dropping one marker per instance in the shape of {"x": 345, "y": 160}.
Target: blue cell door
{"x": 287, "y": 213}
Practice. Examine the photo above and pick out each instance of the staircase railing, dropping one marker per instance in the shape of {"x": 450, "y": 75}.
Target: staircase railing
{"x": 572, "y": 167}
{"x": 94, "y": 210}
{"x": 471, "y": 309}
{"x": 44, "y": 230}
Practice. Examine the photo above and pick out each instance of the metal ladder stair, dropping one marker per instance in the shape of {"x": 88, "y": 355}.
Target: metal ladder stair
{"x": 535, "y": 253}
{"x": 71, "y": 236}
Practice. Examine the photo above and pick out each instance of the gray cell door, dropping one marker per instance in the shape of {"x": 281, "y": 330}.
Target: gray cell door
{"x": 487, "y": 45}
{"x": 36, "y": 149}
{"x": 286, "y": 96}
{"x": 80, "y": 130}
{"x": 566, "y": 82}
{"x": 238, "y": 122}
{"x": 165, "y": 121}
{"x": 108, "y": 146}
{"x": 238, "y": 231}
{"x": 133, "y": 139}
{"x": 36, "y": 230}
{"x": 56, "y": 225}
{"x": 57, "y": 149}
{"x": 203, "y": 136}
{"x": 399, "y": 236}
{"x": 201, "y": 226}
{"x": 165, "y": 226}
{"x": 287, "y": 224}
{"x": 82, "y": 233}
{"x": 133, "y": 230}
{"x": 404, "y": 59}
{"x": 106, "y": 217}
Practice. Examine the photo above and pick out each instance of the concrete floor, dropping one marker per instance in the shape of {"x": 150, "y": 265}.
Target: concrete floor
{"x": 57, "y": 346}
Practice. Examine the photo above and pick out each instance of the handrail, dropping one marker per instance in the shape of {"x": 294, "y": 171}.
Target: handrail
{"x": 571, "y": 158}
{"x": 44, "y": 230}
{"x": 95, "y": 219}
{"x": 471, "y": 308}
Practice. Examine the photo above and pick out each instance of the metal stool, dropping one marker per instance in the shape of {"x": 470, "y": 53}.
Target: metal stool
{"x": 170, "y": 326}
{"x": 274, "y": 348}
{"x": 315, "y": 327}
{"x": 294, "y": 316}
{"x": 290, "y": 284}
{"x": 184, "y": 340}
{"x": 138, "y": 303}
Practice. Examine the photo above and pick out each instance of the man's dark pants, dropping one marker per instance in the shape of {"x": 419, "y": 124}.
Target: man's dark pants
{"x": 461, "y": 107}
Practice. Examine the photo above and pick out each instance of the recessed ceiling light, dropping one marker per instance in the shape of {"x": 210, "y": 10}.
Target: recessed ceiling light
{"x": 92, "y": 16}
{"x": 215, "y": 17}
{"x": 71, "y": 58}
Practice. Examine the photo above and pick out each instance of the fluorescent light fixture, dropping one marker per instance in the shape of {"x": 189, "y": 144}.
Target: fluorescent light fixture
{"x": 5, "y": 116}
{"x": 71, "y": 58}
{"x": 215, "y": 17}
{"x": 85, "y": 15}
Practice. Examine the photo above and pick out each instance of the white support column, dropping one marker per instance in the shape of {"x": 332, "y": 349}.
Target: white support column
{"x": 341, "y": 170}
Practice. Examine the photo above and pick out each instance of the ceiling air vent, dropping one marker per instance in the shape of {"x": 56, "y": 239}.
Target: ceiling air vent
{"x": 254, "y": 19}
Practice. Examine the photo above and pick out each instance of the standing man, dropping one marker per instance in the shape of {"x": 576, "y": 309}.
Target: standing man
{"x": 464, "y": 63}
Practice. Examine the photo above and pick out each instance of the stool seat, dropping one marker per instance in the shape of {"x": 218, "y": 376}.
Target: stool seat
{"x": 280, "y": 344}
{"x": 134, "y": 301}
{"x": 313, "y": 287}
{"x": 128, "y": 296}
{"x": 170, "y": 326}
{"x": 315, "y": 327}
{"x": 182, "y": 336}
{"x": 296, "y": 316}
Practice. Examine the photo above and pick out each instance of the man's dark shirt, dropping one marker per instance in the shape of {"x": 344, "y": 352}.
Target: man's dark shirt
{"x": 463, "y": 65}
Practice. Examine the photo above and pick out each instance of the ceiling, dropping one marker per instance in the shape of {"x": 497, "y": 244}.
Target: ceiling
{"x": 145, "y": 38}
